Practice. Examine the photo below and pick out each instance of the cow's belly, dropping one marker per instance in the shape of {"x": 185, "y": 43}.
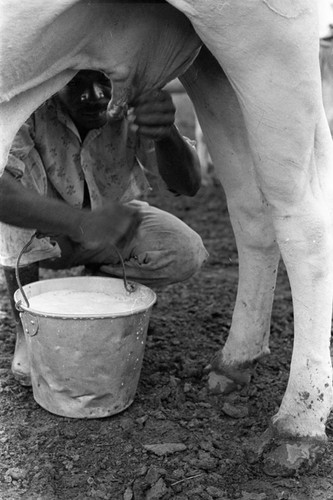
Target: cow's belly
{"x": 140, "y": 46}
{"x": 144, "y": 44}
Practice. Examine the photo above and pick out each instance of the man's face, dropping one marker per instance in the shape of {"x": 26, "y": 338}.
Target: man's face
{"x": 86, "y": 98}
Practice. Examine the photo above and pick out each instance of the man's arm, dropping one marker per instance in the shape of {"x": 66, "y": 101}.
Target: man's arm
{"x": 178, "y": 164}
{"x": 153, "y": 116}
{"x": 25, "y": 208}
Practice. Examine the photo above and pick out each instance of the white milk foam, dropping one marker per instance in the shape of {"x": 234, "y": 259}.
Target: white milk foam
{"x": 75, "y": 302}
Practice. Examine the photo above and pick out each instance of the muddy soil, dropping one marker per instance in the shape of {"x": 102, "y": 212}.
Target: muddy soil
{"x": 176, "y": 441}
{"x": 200, "y": 439}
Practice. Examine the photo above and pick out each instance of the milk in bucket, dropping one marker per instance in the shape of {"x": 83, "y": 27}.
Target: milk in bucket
{"x": 74, "y": 302}
{"x": 86, "y": 338}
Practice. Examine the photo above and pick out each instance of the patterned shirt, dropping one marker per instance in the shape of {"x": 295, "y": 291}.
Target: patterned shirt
{"x": 49, "y": 156}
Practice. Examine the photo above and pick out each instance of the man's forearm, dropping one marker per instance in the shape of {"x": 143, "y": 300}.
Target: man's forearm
{"x": 27, "y": 209}
{"x": 113, "y": 224}
{"x": 178, "y": 164}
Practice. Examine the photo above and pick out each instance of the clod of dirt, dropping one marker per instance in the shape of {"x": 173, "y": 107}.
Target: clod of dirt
{"x": 165, "y": 448}
{"x": 16, "y": 473}
{"x": 128, "y": 494}
{"x": 253, "y": 496}
{"x": 154, "y": 474}
{"x": 157, "y": 491}
{"x": 235, "y": 411}
{"x": 216, "y": 492}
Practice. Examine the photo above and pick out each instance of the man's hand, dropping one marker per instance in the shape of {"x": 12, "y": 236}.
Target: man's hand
{"x": 153, "y": 115}
{"x": 114, "y": 224}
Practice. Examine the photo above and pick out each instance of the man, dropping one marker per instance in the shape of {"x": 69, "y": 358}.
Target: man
{"x": 75, "y": 176}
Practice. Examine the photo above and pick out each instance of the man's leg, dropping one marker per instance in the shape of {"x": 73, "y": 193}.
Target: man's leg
{"x": 29, "y": 273}
{"x": 12, "y": 241}
{"x": 20, "y": 363}
{"x": 164, "y": 251}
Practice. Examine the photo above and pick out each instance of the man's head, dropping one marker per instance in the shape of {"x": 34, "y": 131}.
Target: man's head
{"x": 86, "y": 98}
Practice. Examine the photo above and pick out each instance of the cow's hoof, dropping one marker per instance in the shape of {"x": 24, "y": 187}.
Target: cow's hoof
{"x": 224, "y": 379}
{"x": 292, "y": 457}
{"x": 285, "y": 456}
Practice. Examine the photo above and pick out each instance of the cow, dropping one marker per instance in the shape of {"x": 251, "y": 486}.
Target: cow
{"x": 252, "y": 71}
{"x": 326, "y": 66}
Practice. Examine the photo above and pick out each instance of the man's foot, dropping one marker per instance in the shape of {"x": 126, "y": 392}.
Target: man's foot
{"x": 21, "y": 364}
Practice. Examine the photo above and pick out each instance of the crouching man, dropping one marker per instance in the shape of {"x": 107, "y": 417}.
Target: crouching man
{"x": 75, "y": 176}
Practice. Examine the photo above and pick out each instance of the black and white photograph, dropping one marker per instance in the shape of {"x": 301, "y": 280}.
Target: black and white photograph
{"x": 166, "y": 249}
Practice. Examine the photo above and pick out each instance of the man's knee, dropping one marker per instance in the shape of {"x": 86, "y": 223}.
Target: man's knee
{"x": 165, "y": 251}
{"x": 191, "y": 255}
{"x": 182, "y": 256}
{"x": 168, "y": 261}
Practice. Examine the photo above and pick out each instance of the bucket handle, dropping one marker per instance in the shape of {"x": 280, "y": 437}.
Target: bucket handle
{"x": 17, "y": 275}
{"x": 129, "y": 287}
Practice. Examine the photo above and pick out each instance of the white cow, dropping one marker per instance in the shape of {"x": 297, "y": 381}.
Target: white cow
{"x": 326, "y": 66}
{"x": 269, "y": 139}
{"x": 325, "y": 14}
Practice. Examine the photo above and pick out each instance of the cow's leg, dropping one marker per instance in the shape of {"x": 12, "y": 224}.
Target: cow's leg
{"x": 220, "y": 115}
{"x": 275, "y": 72}
{"x": 326, "y": 66}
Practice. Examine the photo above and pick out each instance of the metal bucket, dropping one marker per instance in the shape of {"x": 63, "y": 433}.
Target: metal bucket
{"x": 85, "y": 366}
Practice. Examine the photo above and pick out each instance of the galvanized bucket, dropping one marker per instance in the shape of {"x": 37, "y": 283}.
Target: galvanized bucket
{"x": 85, "y": 366}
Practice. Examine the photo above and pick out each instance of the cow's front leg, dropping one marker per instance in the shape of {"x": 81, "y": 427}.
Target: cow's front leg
{"x": 275, "y": 73}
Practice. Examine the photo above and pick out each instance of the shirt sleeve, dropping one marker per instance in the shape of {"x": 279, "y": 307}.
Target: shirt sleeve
{"x": 22, "y": 150}
{"x": 24, "y": 162}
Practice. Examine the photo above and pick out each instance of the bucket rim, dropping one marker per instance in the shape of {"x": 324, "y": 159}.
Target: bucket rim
{"x": 21, "y": 306}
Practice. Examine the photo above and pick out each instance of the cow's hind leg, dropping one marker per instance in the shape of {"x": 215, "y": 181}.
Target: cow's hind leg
{"x": 275, "y": 72}
{"x": 221, "y": 117}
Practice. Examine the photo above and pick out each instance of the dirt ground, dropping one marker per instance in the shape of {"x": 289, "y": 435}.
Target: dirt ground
{"x": 200, "y": 439}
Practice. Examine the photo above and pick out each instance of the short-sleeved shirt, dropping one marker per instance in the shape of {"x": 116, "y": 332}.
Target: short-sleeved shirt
{"x": 49, "y": 156}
